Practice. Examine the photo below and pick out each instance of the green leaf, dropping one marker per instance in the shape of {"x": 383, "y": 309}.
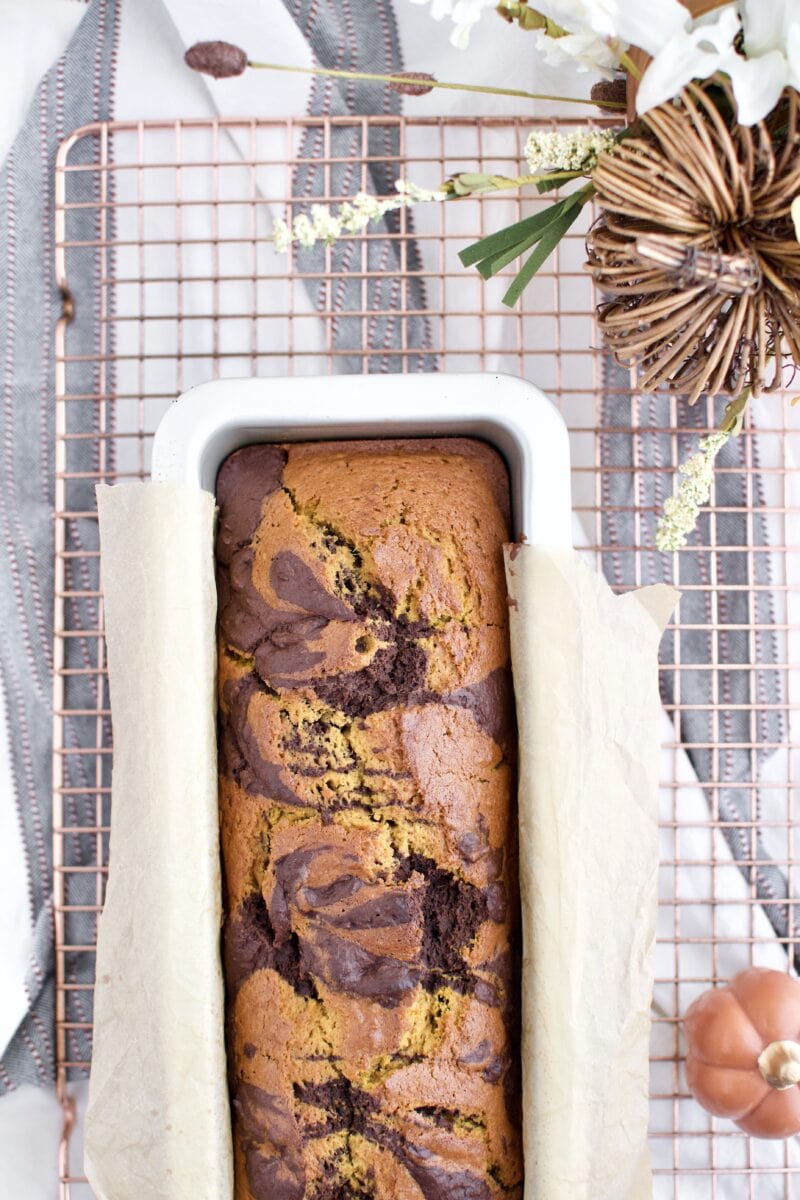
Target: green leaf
{"x": 550, "y": 185}
{"x": 496, "y": 243}
{"x": 491, "y": 266}
{"x": 546, "y": 246}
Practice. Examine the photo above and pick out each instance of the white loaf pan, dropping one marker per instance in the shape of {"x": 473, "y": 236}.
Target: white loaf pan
{"x": 206, "y": 424}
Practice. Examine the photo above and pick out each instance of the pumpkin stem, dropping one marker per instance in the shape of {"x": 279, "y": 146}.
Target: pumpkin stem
{"x": 779, "y": 1063}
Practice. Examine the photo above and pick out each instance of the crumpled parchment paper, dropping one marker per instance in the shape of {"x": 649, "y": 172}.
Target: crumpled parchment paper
{"x": 158, "y": 1122}
{"x": 586, "y": 684}
{"x": 585, "y": 680}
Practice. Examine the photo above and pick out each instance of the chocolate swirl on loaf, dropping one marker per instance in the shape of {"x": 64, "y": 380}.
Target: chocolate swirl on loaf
{"x": 366, "y": 751}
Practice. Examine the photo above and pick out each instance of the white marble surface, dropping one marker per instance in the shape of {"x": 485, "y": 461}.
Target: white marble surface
{"x": 152, "y": 82}
{"x": 31, "y": 1121}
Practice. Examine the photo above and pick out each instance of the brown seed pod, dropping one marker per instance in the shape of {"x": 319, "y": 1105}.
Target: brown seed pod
{"x": 412, "y": 83}
{"x": 220, "y": 59}
{"x": 695, "y": 247}
{"x": 608, "y": 92}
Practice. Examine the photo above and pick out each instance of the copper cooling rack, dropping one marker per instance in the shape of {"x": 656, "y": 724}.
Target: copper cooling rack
{"x": 169, "y": 279}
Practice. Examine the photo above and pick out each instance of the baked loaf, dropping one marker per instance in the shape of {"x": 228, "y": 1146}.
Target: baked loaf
{"x": 368, "y": 833}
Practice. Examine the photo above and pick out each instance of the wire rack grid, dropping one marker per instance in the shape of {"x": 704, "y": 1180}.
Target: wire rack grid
{"x": 169, "y": 278}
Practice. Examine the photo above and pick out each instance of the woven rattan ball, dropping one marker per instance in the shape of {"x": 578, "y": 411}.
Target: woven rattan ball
{"x": 695, "y": 249}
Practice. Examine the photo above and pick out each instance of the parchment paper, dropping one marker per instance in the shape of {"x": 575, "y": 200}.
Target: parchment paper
{"x": 584, "y": 661}
{"x": 585, "y": 679}
{"x": 158, "y": 1124}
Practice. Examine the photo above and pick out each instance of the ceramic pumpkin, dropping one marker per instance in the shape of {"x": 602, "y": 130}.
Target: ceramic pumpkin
{"x": 743, "y": 1058}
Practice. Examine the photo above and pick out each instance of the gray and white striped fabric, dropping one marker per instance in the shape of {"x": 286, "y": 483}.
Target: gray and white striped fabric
{"x": 358, "y": 36}
{"x": 77, "y": 90}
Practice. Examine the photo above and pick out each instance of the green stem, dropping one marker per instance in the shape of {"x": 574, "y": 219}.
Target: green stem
{"x": 630, "y": 66}
{"x": 585, "y": 193}
{"x": 734, "y": 413}
{"x": 466, "y": 184}
{"x": 523, "y": 179}
{"x": 527, "y": 18}
{"x": 434, "y": 83}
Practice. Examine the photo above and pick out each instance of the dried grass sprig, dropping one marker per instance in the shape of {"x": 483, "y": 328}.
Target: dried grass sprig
{"x": 695, "y": 248}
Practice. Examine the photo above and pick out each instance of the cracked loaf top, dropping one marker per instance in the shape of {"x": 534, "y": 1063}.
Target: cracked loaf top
{"x": 368, "y": 839}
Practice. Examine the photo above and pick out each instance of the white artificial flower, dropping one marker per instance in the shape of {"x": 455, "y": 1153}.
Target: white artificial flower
{"x": 464, "y": 14}
{"x": 771, "y": 61}
{"x": 414, "y": 194}
{"x": 648, "y": 24}
{"x": 585, "y": 50}
{"x": 618, "y": 24}
{"x": 694, "y": 52}
{"x": 356, "y": 215}
{"x": 281, "y": 235}
{"x": 600, "y": 31}
{"x": 303, "y": 230}
{"x": 771, "y": 31}
{"x": 681, "y": 47}
{"x": 327, "y": 227}
{"x": 768, "y": 24}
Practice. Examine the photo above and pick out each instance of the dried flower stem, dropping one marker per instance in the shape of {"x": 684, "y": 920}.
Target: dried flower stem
{"x": 373, "y": 77}
{"x": 682, "y": 510}
{"x": 351, "y": 218}
{"x": 576, "y": 151}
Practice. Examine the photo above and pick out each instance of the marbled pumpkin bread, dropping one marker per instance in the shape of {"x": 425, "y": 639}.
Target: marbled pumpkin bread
{"x": 368, "y": 841}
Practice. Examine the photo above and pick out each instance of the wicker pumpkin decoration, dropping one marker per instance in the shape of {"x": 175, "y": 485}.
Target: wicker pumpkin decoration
{"x": 695, "y": 247}
{"x": 743, "y": 1060}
